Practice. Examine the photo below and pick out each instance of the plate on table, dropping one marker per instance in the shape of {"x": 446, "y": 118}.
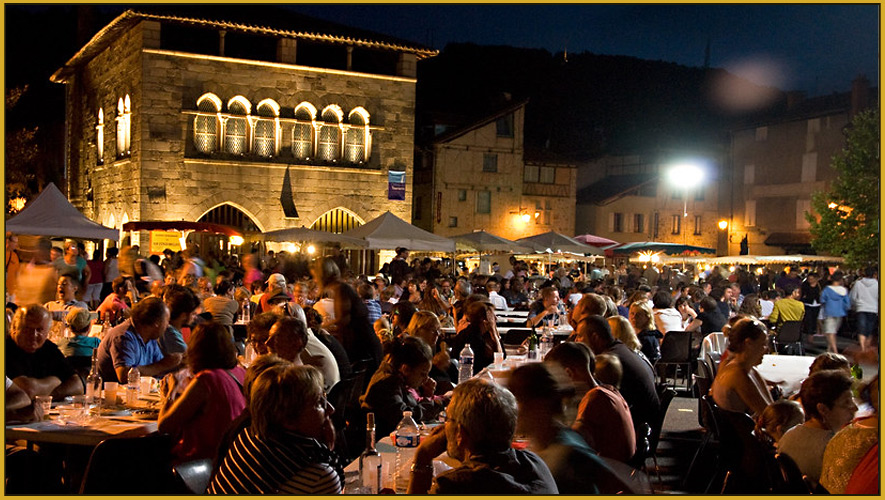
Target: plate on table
{"x": 115, "y": 411}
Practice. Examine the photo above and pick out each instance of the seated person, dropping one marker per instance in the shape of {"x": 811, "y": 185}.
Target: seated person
{"x": 258, "y": 331}
{"x": 134, "y": 343}
{"x": 426, "y": 326}
{"x": 222, "y": 305}
{"x": 577, "y": 469}
{"x": 826, "y": 399}
{"x": 66, "y": 291}
{"x": 547, "y": 310}
{"x": 114, "y": 307}
{"x": 183, "y": 304}
{"x": 738, "y": 386}
{"x": 643, "y": 322}
{"x": 314, "y": 352}
{"x": 852, "y": 443}
{"x": 777, "y": 419}
{"x": 20, "y": 407}
{"x": 78, "y": 348}
{"x": 35, "y": 364}
{"x": 211, "y": 400}
{"x": 481, "y": 333}
{"x": 286, "y": 448}
{"x": 709, "y": 320}
{"x": 667, "y": 318}
{"x": 603, "y": 418}
{"x": 287, "y": 338}
{"x": 479, "y": 429}
{"x": 395, "y": 387}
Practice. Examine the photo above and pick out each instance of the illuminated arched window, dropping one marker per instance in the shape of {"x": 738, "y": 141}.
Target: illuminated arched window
{"x": 124, "y": 109}
{"x": 356, "y": 145}
{"x": 236, "y": 129}
{"x": 302, "y": 132}
{"x": 99, "y": 138}
{"x": 337, "y": 220}
{"x": 329, "y": 144}
{"x": 206, "y": 123}
{"x": 264, "y": 140}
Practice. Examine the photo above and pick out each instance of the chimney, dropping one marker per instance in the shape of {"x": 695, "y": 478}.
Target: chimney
{"x": 860, "y": 94}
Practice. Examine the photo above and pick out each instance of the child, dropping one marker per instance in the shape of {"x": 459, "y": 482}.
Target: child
{"x": 777, "y": 419}
{"x": 78, "y": 348}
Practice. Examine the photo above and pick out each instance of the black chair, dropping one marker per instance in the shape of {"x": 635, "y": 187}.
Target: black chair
{"x": 516, "y": 336}
{"x": 789, "y": 334}
{"x": 132, "y": 466}
{"x": 195, "y": 475}
{"x": 791, "y": 480}
{"x": 675, "y": 352}
{"x": 703, "y": 382}
{"x": 711, "y": 437}
{"x": 666, "y": 395}
{"x": 749, "y": 465}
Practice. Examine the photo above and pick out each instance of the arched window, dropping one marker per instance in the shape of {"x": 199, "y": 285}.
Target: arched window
{"x": 123, "y": 126}
{"x": 337, "y": 220}
{"x": 99, "y": 138}
{"x": 329, "y": 147}
{"x": 264, "y": 141}
{"x": 206, "y": 123}
{"x": 236, "y": 129}
{"x": 356, "y": 145}
{"x": 302, "y": 132}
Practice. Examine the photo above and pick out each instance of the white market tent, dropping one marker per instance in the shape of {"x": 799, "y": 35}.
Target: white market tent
{"x": 554, "y": 242}
{"x": 306, "y": 234}
{"x": 387, "y": 232}
{"x": 51, "y": 214}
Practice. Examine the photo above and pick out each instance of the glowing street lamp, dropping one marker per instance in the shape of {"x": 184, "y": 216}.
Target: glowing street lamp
{"x": 723, "y": 225}
{"x": 685, "y": 175}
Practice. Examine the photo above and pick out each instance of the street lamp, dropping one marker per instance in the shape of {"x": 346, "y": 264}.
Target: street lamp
{"x": 685, "y": 175}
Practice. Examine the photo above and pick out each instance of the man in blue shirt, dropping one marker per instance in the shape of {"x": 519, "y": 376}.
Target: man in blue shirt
{"x": 134, "y": 343}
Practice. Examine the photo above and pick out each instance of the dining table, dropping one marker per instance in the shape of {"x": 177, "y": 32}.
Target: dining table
{"x": 787, "y": 372}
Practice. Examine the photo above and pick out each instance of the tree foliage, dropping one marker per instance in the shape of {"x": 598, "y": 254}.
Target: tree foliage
{"x": 21, "y": 153}
{"x": 848, "y": 223}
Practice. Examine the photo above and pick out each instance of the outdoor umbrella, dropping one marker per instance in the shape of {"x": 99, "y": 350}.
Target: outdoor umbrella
{"x": 306, "y": 234}
{"x": 557, "y": 242}
{"x": 387, "y": 232}
{"x": 483, "y": 242}
{"x": 657, "y": 246}
{"x": 597, "y": 241}
{"x": 51, "y": 214}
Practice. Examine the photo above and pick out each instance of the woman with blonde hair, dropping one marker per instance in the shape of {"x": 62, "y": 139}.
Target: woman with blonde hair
{"x": 622, "y": 330}
{"x": 643, "y": 320}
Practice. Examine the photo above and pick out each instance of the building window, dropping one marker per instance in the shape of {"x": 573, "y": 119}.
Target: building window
{"x": 547, "y": 175}
{"x": 700, "y": 194}
{"x": 504, "y": 126}
{"x": 462, "y": 195}
{"x": 329, "y": 144}
{"x": 677, "y": 224}
{"x": 638, "y": 223}
{"x": 656, "y": 226}
{"x": 206, "y": 123}
{"x": 489, "y": 162}
{"x": 302, "y": 131}
{"x": 761, "y": 134}
{"x": 531, "y": 173}
{"x": 750, "y": 213}
{"x": 749, "y": 174}
{"x": 617, "y": 222}
{"x": 809, "y": 167}
{"x": 548, "y": 211}
{"x": 697, "y": 225}
{"x": 99, "y": 138}
{"x": 236, "y": 128}
{"x": 483, "y": 202}
{"x": 356, "y": 147}
{"x": 264, "y": 142}
{"x": 124, "y": 121}
{"x": 453, "y": 222}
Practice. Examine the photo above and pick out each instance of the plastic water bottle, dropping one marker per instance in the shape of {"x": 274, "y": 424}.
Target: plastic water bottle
{"x": 465, "y": 359}
{"x": 407, "y": 437}
{"x": 134, "y": 379}
{"x": 546, "y": 342}
{"x": 93, "y": 381}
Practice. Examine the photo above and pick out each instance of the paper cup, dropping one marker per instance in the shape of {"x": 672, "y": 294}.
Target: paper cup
{"x": 110, "y": 392}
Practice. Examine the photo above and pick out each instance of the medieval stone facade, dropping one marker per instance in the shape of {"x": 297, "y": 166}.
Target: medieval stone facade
{"x": 158, "y": 131}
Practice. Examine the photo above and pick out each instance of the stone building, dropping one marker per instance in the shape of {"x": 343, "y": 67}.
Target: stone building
{"x": 262, "y": 121}
{"x": 777, "y": 164}
{"x": 477, "y": 176}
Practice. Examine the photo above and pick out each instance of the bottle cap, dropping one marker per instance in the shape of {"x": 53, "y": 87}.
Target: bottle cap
{"x": 407, "y": 414}
{"x": 370, "y": 419}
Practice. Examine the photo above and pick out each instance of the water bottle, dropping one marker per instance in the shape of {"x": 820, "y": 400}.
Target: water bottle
{"x": 93, "y": 381}
{"x": 465, "y": 359}
{"x": 134, "y": 379}
{"x": 546, "y": 341}
{"x": 407, "y": 438}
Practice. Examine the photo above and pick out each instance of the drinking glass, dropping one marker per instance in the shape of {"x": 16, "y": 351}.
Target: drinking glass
{"x": 46, "y": 403}
{"x": 110, "y": 392}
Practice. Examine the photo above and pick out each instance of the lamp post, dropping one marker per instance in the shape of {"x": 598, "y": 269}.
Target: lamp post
{"x": 685, "y": 175}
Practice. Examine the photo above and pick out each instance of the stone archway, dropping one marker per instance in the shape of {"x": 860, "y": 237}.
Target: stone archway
{"x": 337, "y": 220}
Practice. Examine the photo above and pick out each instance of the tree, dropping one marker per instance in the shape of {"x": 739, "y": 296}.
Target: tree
{"x": 21, "y": 154}
{"x": 848, "y": 220}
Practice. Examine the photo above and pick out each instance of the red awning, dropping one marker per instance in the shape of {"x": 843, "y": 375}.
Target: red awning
{"x": 180, "y": 225}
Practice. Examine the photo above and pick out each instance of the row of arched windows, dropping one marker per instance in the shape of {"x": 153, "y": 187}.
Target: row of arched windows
{"x": 327, "y": 135}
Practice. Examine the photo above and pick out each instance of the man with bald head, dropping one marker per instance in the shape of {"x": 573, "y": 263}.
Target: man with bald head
{"x": 589, "y": 304}
{"x": 638, "y": 382}
{"x": 33, "y": 362}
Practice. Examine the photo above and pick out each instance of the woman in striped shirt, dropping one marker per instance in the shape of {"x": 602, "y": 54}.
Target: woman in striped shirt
{"x": 286, "y": 450}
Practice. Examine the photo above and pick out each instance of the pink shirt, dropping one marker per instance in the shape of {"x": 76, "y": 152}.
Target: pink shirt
{"x": 604, "y": 418}
{"x": 200, "y": 437}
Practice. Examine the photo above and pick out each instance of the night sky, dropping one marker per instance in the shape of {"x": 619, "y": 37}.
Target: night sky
{"x": 815, "y": 48}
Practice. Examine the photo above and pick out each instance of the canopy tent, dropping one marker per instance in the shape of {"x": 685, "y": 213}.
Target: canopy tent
{"x": 51, "y": 214}
{"x": 597, "y": 241}
{"x": 388, "y": 231}
{"x": 556, "y": 243}
{"x": 659, "y": 247}
{"x": 483, "y": 242}
{"x": 306, "y": 234}
{"x": 752, "y": 260}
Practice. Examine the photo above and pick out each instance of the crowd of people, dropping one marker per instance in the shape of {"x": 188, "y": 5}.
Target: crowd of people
{"x": 257, "y": 405}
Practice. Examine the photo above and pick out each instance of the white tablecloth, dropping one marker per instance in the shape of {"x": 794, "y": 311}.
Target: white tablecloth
{"x": 787, "y": 371}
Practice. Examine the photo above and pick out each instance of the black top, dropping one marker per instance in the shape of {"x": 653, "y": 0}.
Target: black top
{"x": 483, "y": 355}
{"x": 358, "y": 337}
{"x": 651, "y": 346}
{"x": 637, "y": 384}
{"x": 711, "y": 321}
{"x": 47, "y": 361}
{"x": 398, "y": 269}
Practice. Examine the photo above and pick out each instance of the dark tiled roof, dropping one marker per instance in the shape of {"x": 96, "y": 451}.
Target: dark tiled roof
{"x": 612, "y": 187}
{"x": 264, "y": 20}
{"x": 479, "y": 122}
